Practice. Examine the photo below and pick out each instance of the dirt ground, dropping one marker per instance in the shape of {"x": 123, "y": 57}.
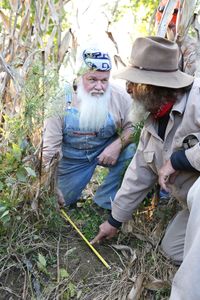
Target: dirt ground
{"x": 45, "y": 258}
{"x": 84, "y": 277}
{"x": 70, "y": 269}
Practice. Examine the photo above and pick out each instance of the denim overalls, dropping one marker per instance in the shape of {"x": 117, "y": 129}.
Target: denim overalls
{"x": 80, "y": 150}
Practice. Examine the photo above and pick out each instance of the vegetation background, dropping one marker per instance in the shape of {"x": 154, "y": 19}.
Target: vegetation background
{"x": 39, "y": 41}
{"x": 40, "y": 255}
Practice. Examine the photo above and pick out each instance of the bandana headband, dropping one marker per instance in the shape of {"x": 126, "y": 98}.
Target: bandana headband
{"x": 97, "y": 60}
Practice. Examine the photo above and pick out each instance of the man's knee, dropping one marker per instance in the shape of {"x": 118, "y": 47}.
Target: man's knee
{"x": 173, "y": 242}
{"x": 193, "y": 194}
{"x": 172, "y": 251}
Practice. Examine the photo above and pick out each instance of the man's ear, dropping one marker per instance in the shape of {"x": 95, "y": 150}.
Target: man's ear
{"x": 77, "y": 80}
{"x": 75, "y": 84}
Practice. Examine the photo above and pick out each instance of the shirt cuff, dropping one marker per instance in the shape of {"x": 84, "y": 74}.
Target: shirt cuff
{"x": 179, "y": 161}
{"x": 193, "y": 155}
{"x": 114, "y": 222}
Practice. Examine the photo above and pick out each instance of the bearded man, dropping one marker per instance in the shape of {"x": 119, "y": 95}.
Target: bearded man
{"x": 168, "y": 152}
{"x": 95, "y": 129}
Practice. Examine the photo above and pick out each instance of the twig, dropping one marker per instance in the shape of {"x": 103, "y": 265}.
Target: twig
{"x": 24, "y": 285}
{"x": 121, "y": 260}
{"x": 64, "y": 283}
{"x": 58, "y": 262}
{"x": 6, "y": 67}
{"x": 24, "y": 294}
{"x": 9, "y": 291}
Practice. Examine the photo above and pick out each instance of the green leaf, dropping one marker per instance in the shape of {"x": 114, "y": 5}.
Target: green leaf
{"x": 42, "y": 260}
{"x": 16, "y": 151}
{"x": 41, "y": 264}
{"x": 4, "y": 214}
{"x": 6, "y": 219}
{"x": 10, "y": 158}
{"x": 72, "y": 289}
{"x": 21, "y": 175}
{"x": 2, "y": 208}
{"x": 30, "y": 171}
{"x": 63, "y": 273}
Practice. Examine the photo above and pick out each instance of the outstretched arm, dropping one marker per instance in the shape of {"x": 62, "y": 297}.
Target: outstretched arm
{"x": 138, "y": 181}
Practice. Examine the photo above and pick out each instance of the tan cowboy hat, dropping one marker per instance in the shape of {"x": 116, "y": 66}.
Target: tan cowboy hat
{"x": 154, "y": 60}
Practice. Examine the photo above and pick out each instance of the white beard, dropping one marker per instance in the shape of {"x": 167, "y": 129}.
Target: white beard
{"x": 138, "y": 112}
{"x": 93, "y": 109}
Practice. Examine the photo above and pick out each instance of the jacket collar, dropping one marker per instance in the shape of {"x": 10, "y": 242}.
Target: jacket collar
{"x": 180, "y": 104}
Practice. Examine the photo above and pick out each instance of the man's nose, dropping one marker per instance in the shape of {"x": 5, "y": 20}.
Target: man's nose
{"x": 99, "y": 85}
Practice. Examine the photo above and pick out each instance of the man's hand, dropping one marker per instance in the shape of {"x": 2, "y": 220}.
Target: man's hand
{"x": 106, "y": 231}
{"x": 110, "y": 154}
{"x": 60, "y": 198}
{"x": 166, "y": 175}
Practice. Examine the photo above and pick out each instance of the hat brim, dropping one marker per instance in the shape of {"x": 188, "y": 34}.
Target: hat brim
{"x": 176, "y": 79}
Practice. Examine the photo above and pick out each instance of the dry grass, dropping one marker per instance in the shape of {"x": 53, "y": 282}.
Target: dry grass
{"x": 143, "y": 273}
{"x": 68, "y": 270}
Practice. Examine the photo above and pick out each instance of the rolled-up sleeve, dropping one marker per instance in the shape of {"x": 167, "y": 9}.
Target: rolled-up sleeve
{"x": 193, "y": 156}
{"x": 52, "y": 138}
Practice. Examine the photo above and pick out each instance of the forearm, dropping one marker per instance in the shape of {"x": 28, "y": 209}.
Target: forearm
{"x": 138, "y": 181}
{"x": 124, "y": 138}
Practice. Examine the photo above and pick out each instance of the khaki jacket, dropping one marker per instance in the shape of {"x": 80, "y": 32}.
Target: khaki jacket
{"x": 152, "y": 152}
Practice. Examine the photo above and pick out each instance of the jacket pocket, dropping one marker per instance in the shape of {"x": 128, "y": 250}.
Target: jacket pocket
{"x": 149, "y": 156}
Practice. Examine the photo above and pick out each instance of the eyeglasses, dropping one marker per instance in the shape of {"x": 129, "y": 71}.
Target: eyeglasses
{"x": 162, "y": 8}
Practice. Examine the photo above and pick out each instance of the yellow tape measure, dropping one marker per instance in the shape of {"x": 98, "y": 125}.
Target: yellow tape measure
{"x": 66, "y": 217}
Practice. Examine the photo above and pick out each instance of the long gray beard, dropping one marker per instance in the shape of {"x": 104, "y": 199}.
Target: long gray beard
{"x": 93, "y": 109}
{"x": 138, "y": 112}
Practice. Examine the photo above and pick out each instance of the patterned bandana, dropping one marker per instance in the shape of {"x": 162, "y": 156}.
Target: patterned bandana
{"x": 97, "y": 60}
{"x": 164, "y": 110}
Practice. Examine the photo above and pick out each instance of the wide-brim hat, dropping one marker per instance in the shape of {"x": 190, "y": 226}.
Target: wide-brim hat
{"x": 154, "y": 61}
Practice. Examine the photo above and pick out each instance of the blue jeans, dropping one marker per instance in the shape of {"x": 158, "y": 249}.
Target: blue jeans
{"x": 74, "y": 175}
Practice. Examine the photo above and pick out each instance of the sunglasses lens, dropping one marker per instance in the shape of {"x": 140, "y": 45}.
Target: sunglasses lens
{"x": 175, "y": 11}
{"x": 161, "y": 9}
